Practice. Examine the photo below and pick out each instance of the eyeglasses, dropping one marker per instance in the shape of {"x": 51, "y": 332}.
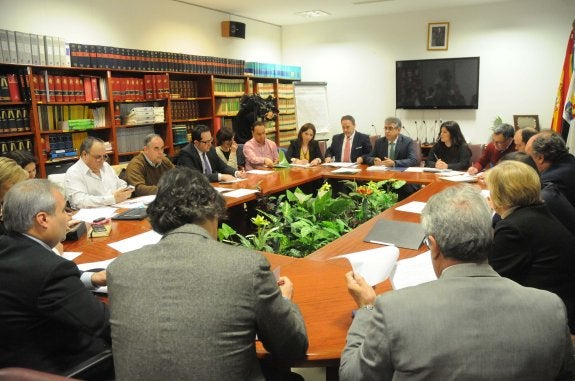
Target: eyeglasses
{"x": 426, "y": 242}
{"x": 389, "y": 128}
{"x": 99, "y": 157}
{"x": 209, "y": 141}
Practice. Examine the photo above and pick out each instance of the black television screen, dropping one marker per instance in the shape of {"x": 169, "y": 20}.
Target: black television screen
{"x": 450, "y": 83}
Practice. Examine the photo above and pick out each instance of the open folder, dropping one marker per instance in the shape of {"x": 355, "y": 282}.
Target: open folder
{"x": 408, "y": 235}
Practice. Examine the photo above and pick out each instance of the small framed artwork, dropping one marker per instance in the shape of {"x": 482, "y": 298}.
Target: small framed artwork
{"x": 437, "y": 35}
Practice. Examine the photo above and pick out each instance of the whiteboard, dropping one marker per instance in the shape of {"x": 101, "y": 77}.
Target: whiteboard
{"x": 311, "y": 105}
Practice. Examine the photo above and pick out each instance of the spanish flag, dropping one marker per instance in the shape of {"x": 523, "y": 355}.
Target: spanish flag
{"x": 559, "y": 122}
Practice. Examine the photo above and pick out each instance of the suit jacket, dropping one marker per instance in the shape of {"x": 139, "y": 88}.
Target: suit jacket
{"x": 294, "y": 148}
{"x": 534, "y": 249}
{"x": 471, "y": 324}
{"x": 193, "y": 309}
{"x": 189, "y": 157}
{"x": 562, "y": 174}
{"x": 361, "y": 145}
{"x": 405, "y": 155}
{"x": 48, "y": 319}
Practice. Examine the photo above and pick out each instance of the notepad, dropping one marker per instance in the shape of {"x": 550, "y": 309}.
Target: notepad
{"x": 408, "y": 235}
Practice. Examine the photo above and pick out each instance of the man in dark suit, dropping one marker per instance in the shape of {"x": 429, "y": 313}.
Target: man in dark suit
{"x": 201, "y": 156}
{"x": 195, "y": 306}
{"x": 348, "y": 146}
{"x": 470, "y": 324}
{"x": 394, "y": 149}
{"x": 554, "y": 162}
{"x": 49, "y": 320}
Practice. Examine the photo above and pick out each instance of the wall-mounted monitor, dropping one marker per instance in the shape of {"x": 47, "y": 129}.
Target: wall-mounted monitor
{"x": 450, "y": 83}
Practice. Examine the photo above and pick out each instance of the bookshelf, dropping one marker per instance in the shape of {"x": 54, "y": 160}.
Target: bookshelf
{"x": 50, "y": 117}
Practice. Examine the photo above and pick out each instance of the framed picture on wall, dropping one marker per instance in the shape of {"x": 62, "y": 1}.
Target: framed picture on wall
{"x": 437, "y": 35}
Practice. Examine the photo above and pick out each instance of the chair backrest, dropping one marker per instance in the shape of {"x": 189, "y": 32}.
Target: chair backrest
{"x": 322, "y": 146}
{"x": 476, "y": 151}
{"x": 418, "y": 153}
{"x": 240, "y": 156}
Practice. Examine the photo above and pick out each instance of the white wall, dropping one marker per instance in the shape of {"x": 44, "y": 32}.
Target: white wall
{"x": 142, "y": 24}
{"x": 521, "y": 45}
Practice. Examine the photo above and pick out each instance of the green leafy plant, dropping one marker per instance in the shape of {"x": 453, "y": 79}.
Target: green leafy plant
{"x": 299, "y": 223}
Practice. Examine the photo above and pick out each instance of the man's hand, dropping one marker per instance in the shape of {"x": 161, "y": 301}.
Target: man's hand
{"x": 122, "y": 194}
{"x": 241, "y": 174}
{"x": 359, "y": 160}
{"x": 388, "y": 162}
{"x": 286, "y": 287}
{"x": 268, "y": 162}
{"x": 99, "y": 278}
{"x": 226, "y": 178}
{"x": 359, "y": 289}
{"x": 472, "y": 170}
{"x": 377, "y": 161}
{"x": 316, "y": 161}
{"x": 328, "y": 159}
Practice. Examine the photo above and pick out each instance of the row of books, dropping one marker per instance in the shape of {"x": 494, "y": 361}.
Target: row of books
{"x": 60, "y": 145}
{"x": 16, "y": 144}
{"x": 287, "y": 122}
{"x": 67, "y": 88}
{"x": 14, "y": 87}
{"x": 110, "y": 57}
{"x": 286, "y": 105}
{"x": 227, "y": 106}
{"x": 286, "y": 90}
{"x": 264, "y": 89}
{"x": 132, "y": 139}
{"x": 184, "y": 89}
{"x": 33, "y": 49}
{"x": 260, "y": 69}
{"x": 14, "y": 119}
{"x": 180, "y": 133}
{"x": 55, "y": 118}
{"x": 286, "y": 136}
{"x": 150, "y": 87}
{"x": 229, "y": 87}
{"x": 186, "y": 110}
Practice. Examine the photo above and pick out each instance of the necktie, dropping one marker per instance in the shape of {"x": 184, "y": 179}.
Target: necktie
{"x": 392, "y": 151}
{"x": 207, "y": 166}
{"x": 347, "y": 150}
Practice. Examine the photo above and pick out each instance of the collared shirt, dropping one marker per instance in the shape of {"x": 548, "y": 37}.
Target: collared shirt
{"x": 255, "y": 153}
{"x": 350, "y": 145}
{"x": 86, "y": 276}
{"x": 155, "y": 165}
{"x": 84, "y": 189}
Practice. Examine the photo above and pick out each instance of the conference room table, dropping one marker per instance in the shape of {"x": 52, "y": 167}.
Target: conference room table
{"x": 319, "y": 282}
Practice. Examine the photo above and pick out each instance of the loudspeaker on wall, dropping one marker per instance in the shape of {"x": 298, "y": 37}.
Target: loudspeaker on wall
{"x": 233, "y": 29}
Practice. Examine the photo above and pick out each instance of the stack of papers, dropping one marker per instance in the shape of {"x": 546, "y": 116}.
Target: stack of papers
{"x": 89, "y": 215}
{"x": 237, "y": 193}
{"x": 413, "y": 271}
{"x": 346, "y": 170}
{"x": 339, "y": 164}
{"x": 377, "y": 168}
{"x": 412, "y": 207}
{"x": 138, "y": 202}
{"x": 465, "y": 178}
{"x": 259, "y": 172}
{"x": 374, "y": 265}
{"x": 136, "y": 242}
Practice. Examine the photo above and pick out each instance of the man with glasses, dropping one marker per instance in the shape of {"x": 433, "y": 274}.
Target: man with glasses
{"x": 501, "y": 144}
{"x": 91, "y": 181}
{"x": 393, "y": 149}
{"x": 201, "y": 156}
{"x": 471, "y": 323}
{"x": 144, "y": 170}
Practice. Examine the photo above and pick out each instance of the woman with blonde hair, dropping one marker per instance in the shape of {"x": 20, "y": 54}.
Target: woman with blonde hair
{"x": 530, "y": 246}
{"x": 10, "y": 173}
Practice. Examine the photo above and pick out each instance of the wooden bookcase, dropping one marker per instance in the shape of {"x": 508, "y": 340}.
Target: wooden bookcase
{"x": 186, "y": 99}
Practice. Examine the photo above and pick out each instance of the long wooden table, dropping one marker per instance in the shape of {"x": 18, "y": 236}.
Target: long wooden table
{"x": 319, "y": 283}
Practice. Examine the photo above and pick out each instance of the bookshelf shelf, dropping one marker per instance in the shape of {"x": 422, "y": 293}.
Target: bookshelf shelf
{"x": 54, "y": 132}
{"x": 80, "y": 103}
{"x": 62, "y": 159}
{"x": 15, "y": 134}
{"x": 139, "y": 125}
{"x": 191, "y": 99}
{"x": 190, "y": 120}
{"x": 10, "y": 103}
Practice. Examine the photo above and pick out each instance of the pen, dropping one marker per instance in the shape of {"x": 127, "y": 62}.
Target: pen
{"x": 383, "y": 243}
{"x": 436, "y": 158}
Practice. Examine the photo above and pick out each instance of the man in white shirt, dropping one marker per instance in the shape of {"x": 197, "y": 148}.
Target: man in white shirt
{"x": 92, "y": 182}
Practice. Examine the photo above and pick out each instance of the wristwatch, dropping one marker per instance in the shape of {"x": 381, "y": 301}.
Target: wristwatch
{"x": 368, "y": 307}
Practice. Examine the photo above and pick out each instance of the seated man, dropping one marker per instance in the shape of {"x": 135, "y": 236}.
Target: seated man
{"x": 470, "y": 324}
{"x": 522, "y": 136}
{"x": 48, "y": 320}
{"x": 201, "y": 156}
{"x": 195, "y": 305}
{"x": 260, "y": 151}
{"x": 554, "y": 162}
{"x": 348, "y": 146}
{"x": 144, "y": 170}
{"x": 392, "y": 150}
{"x": 502, "y": 143}
{"x": 91, "y": 181}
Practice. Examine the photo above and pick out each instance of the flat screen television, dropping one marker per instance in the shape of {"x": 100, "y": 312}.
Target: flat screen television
{"x": 450, "y": 83}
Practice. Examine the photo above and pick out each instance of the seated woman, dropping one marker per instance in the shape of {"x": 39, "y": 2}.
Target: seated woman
{"x": 10, "y": 174}
{"x": 227, "y": 148}
{"x": 26, "y": 160}
{"x": 305, "y": 150}
{"x": 530, "y": 246}
{"x": 451, "y": 150}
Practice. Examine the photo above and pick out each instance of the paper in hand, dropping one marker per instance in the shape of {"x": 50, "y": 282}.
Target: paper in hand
{"x": 374, "y": 265}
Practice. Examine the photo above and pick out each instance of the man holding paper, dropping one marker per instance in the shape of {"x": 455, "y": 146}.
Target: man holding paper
{"x": 469, "y": 324}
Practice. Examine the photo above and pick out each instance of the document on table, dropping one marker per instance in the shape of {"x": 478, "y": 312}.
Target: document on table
{"x": 89, "y": 215}
{"x": 237, "y": 193}
{"x": 301, "y": 165}
{"x": 346, "y": 170}
{"x": 412, "y": 207}
{"x": 339, "y": 164}
{"x": 138, "y": 202}
{"x": 235, "y": 180}
{"x": 136, "y": 242}
{"x": 460, "y": 178}
{"x": 413, "y": 271}
{"x": 222, "y": 190}
{"x": 414, "y": 169}
{"x": 408, "y": 235}
{"x": 374, "y": 265}
{"x": 377, "y": 168}
{"x": 259, "y": 172}
{"x": 70, "y": 255}
{"x": 98, "y": 266}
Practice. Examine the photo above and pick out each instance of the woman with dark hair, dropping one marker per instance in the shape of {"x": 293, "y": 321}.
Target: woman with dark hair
{"x": 227, "y": 147}
{"x": 26, "y": 160}
{"x": 305, "y": 150}
{"x": 451, "y": 150}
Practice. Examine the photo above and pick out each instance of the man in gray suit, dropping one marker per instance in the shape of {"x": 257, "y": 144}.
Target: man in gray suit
{"x": 190, "y": 307}
{"x": 470, "y": 324}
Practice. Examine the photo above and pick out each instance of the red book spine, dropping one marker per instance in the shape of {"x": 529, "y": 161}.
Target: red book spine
{"x": 51, "y": 91}
{"x": 65, "y": 89}
{"x": 88, "y": 90}
{"x": 58, "y": 88}
{"x": 95, "y": 89}
{"x": 13, "y": 88}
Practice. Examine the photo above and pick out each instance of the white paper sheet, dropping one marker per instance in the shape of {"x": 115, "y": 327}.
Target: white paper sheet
{"x": 89, "y": 215}
{"x": 339, "y": 164}
{"x": 460, "y": 178}
{"x": 300, "y": 165}
{"x": 222, "y": 190}
{"x": 136, "y": 242}
{"x": 138, "y": 202}
{"x": 377, "y": 168}
{"x": 235, "y": 180}
{"x": 346, "y": 170}
{"x": 95, "y": 265}
{"x": 413, "y": 271}
{"x": 414, "y": 169}
{"x": 374, "y": 265}
{"x": 453, "y": 173}
{"x": 412, "y": 207}
{"x": 70, "y": 255}
{"x": 237, "y": 193}
{"x": 259, "y": 172}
